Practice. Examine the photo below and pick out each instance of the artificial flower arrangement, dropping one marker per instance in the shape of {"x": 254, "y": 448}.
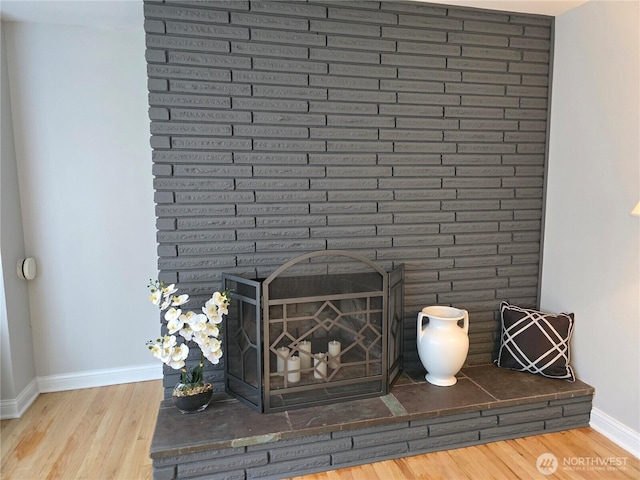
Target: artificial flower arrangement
{"x": 201, "y": 328}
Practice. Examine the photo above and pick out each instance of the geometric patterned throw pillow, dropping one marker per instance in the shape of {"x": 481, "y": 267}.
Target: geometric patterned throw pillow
{"x": 535, "y": 342}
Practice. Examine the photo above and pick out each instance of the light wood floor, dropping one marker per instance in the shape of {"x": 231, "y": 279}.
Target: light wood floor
{"x": 105, "y": 433}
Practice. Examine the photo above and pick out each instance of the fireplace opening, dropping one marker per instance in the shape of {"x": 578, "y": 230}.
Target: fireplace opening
{"x": 324, "y": 327}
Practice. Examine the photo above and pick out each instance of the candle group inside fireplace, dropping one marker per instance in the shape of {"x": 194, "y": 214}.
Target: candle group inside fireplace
{"x": 291, "y": 364}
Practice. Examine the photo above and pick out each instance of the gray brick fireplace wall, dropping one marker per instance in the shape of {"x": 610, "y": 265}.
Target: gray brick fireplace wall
{"x": 409, "y": 132}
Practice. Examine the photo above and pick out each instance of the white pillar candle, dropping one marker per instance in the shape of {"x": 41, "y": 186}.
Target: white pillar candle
{"x": 293, "y": 369}
{"x": 334, "y": 354}
{"x": 320, "y": 366}
{"x": 283, "y": 353}
{"x": 305, "y": 354}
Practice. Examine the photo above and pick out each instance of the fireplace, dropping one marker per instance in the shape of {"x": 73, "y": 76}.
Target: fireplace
{"x": 324, "y": 327}
{"x": 412, "y": 133}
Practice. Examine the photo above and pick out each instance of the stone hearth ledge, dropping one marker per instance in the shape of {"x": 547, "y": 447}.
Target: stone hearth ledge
{"x": 228, "y": 423}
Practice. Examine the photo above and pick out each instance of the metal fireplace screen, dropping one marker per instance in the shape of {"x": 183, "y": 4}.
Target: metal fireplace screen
{"x": 296, "y": 340}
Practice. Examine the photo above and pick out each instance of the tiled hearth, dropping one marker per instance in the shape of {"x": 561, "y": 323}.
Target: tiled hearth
{"x": 231, "y": 441}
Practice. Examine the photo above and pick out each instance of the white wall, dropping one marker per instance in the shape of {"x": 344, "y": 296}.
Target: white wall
{"x": 591, "y": 263}
{"x": 79, "y": 103}
{"x": 17, "y": 373}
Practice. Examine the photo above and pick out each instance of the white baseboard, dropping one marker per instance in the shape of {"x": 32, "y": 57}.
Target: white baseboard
{"x": 615, "y": 431}
{"x": 99, "y": 378}
{"x": 14, "y": 408}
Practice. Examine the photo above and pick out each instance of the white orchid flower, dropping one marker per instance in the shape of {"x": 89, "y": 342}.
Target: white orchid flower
{"x": 218, "y": 298}
{"x": 222, "y": 302}
{"x": 180, "y": 353}
{"x": 165, "y": 351}
{"x": 199, "y": 337}
{"x": 212, "y": 331}
{"x": 155, "y": 297}
{"x": 217, "y": 318}
{"x": 165, "y": 354}
{"x": 210, "y": 309}
{"x": 179, "y": 300}
{"x": 172, "y": 313}
{"x": 169, "y": 341}
{"x": 186, "y": 333}
{"x": 204, "y": 347}
{"x": 211, "y": 345}
{"x": 198, "y": 322}
{"x": 156, "y": 349}
{"x": 214, "y": 357}
{"x": 172, "y": 355}
{"x": 175, "y": 324}
{"x": 169, "y": 290}
{"x": 166, "y": 303}
{"x": 203, "y": 342}
{"x": 176, "y": 365}
{"x": 213, "y": 311}
{"x": 215, "y": 344}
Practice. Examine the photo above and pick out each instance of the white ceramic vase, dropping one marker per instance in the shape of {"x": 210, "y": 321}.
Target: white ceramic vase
{"x": 442, "y": 343}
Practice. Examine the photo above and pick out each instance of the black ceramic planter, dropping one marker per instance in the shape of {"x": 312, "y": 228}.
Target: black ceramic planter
{"x": 190, "y": 398}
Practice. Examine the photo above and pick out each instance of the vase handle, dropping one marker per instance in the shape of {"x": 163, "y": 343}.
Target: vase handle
{"x": 420, "y": 329}
{"x": 465, "y": 321}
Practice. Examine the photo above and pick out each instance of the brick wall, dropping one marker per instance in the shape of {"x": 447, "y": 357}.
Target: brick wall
{"x": 412, "y": 133}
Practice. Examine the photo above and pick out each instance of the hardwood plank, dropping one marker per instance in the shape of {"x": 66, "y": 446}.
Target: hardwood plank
{"x": 112, "y": 435}
{"x": 437, "y": 465}
{"x": 136, "y": 463}
{"x": 90, "y": 433}
{"x": 81, "y": 424}
{"x": 47, "y": 427}
{"x": 105, "y": 433}
{"x": 506, "y": 470}
{"x": 471, "y": 466}
{"x": 407, "y": 467}
{"x": 516, "y": 460}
